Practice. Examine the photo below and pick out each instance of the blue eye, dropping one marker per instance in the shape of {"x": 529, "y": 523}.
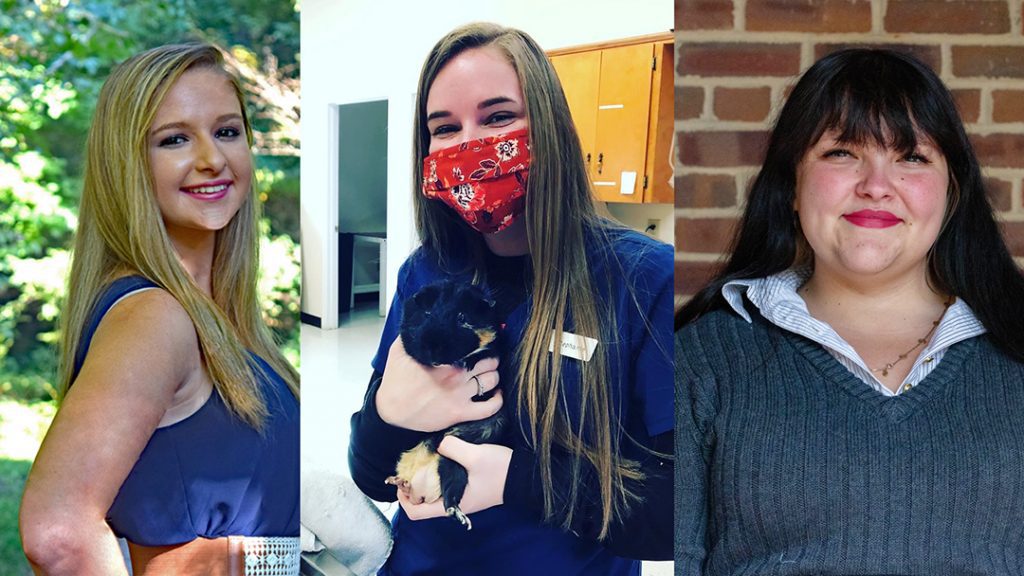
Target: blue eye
{"x": 917, "y": 158}
{"x": 229, "y": 132}
{"x": 444, "y": 129}
{"x": 175, "y": 140}
{"x": 837, "y": 153}
{"x": 501, "y": 117}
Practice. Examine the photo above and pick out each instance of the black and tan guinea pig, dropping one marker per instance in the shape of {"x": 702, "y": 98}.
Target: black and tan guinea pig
{"x": 456, "y": 324}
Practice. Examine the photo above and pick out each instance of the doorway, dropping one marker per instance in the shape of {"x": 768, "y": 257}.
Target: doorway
{"x": 362, "y": 203}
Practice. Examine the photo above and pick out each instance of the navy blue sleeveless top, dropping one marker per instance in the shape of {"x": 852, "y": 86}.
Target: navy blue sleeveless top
{"x": 209, "y": 475}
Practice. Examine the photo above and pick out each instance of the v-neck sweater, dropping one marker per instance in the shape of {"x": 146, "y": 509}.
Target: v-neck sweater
{"x": 788, "y": 464}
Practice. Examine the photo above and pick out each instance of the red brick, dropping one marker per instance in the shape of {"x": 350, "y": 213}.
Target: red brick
{"x": 1013, "y": 234}
{"x": 809, "y": 15}
{"x": 930, "y": 55}
{"x": 722, "y": 149}
{"x": 1008, "y": 105}
{"x": 689, "y": 102}
{"x": 692, "y": 276}
{"x": 739, "y": 59}
{"x": 992, "y": 61}
{"x": 968, "y": 102}
{"x": 704, "y": 15}
{"x": 787, "y": 90}
{"x": 704, "y": 235}
{"x": 949, "y": 17}
{"x": 747, "y": 104}
{"x": 705, "y": 191}
{"x": 999, "y": 193}
{"x": 1000, "y": 150}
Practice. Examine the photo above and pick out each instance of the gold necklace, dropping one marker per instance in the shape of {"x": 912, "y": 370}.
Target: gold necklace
{"x": 920, "y": 342}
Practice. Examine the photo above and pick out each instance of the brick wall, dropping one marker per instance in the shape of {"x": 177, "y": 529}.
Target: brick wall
{"x": 736, "y": 59}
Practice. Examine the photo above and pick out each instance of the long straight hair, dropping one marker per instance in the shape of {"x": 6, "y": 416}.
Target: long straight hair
{"x": 559, "y": 216}
{"x": 892, "y": 99}
{"x": 121, "y": 231}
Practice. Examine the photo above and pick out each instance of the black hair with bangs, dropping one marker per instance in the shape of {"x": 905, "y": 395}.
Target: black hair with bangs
{"x": 892, "y": 99}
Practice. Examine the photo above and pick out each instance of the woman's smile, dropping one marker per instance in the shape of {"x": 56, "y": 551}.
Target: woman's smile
{"x": 873, "y": 219}
{"x": 208, "y": 191}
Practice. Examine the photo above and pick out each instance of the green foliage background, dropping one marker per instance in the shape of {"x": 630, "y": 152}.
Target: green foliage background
{"x": 54, "y": 56}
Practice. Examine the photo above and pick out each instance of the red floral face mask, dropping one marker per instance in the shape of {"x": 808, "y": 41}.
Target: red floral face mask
{"x": 483, "y": 180}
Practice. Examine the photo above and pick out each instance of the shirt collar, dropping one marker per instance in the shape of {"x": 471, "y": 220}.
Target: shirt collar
{"x": 768, "y": 294}
{"x": 777, "y": 300}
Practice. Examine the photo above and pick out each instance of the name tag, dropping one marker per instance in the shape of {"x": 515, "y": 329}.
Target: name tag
{"x": 575, "y": 346}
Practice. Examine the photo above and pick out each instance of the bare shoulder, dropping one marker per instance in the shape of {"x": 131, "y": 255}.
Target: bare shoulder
{"x": 144, "y": 348}
{"x": 148, "y": 338}
{"x": 152, "y": 310}
{"x": 150, "y": 317}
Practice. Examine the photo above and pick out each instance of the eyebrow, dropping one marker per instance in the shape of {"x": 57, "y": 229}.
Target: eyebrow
{"x": 482, "y": 105}
{"x": 179, "y": 125}
{"x": 492, "y": 101}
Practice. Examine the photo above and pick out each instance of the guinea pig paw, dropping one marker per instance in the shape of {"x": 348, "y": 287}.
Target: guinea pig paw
{"x": 402, "y": 483}
{"x": 459, "y": 515}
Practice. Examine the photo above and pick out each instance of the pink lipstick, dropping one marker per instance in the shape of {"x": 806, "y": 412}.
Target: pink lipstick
{"x": 208, "y": 191}
{"x": 872, "y": 219}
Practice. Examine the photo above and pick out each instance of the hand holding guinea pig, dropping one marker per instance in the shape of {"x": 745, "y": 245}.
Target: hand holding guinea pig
{"x": 432, "y": 398}
{"x": 487, "y": 467}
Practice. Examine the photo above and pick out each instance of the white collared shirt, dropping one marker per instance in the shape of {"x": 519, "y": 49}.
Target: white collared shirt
{"x": 778, "y": 301}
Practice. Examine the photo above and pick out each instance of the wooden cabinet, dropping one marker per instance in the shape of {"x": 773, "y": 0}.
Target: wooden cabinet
{"x": 620, "y": 95}
{"x": 580, "y": 74}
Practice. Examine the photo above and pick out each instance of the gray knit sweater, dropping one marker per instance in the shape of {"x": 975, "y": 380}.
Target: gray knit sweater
{"x": 787, "y": 464}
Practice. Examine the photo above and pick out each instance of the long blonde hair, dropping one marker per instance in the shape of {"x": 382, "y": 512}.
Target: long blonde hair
{"x": 560, "y": 214}
{"x": 120, "y": 230}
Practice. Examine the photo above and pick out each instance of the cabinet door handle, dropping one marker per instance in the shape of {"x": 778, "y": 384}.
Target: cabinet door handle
{"x": 588, "y": 160}
{"x": 600, "y": 161}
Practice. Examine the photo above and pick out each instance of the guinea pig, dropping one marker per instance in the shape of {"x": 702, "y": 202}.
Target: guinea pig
{"x": 448, "y": 323}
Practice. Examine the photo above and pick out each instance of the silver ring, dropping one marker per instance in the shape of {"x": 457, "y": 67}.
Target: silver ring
{"x": 479, "y": 387}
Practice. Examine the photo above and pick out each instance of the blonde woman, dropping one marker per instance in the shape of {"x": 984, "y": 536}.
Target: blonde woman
{"x": 584, "y": 486}
{"x": 178, "y": 423}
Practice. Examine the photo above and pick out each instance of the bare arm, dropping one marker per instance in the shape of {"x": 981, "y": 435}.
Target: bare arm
{"x": 141, "y": 353}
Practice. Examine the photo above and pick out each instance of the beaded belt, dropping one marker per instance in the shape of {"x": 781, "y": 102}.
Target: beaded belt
{"x": 230, "y": 556}
{"x": 271, "y": 556}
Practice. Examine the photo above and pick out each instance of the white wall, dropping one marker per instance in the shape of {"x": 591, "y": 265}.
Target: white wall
{"x": 358, "y": 50}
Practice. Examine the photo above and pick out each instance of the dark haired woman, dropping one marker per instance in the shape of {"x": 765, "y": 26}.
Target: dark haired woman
{"x": 584, "y": 486}
{"x": 850, "y": 387}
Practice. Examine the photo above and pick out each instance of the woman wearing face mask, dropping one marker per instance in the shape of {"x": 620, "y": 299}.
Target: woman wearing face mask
{"x": 178, "y": 424}
{"x": 849, "y": 388}
{"x": 503, "y": 200}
